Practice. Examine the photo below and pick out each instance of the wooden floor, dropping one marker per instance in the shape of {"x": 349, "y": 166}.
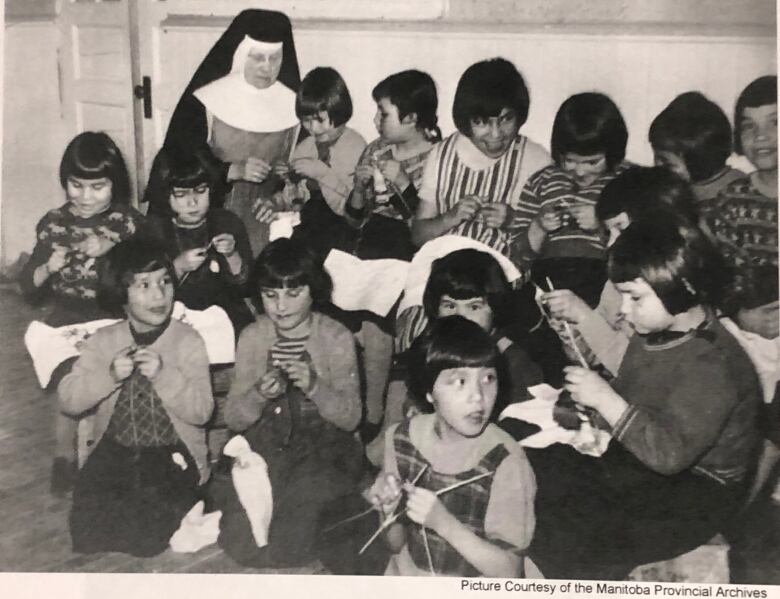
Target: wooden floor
{"x": 33, "y": 525}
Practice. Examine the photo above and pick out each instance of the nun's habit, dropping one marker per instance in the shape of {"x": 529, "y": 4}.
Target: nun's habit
{"x": 224, "y": 118}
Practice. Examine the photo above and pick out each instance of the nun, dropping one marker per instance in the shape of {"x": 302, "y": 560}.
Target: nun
{"x": 238, "y": 114}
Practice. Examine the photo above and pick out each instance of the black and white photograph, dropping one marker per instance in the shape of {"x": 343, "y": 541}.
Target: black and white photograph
{"x": 330, "y": 294}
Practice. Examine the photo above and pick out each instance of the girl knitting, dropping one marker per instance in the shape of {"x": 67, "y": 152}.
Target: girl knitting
{"x": 470, "y": 509}
{"x": 682, "y": 412}
{"x": 296, "y": 399}
{"x": 558, "y": 234}
{"x": 70, "y": 244}
{"x": 146, "y": 379}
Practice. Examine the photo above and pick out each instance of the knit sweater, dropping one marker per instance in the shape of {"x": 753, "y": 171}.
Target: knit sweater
{"x": 330, "y": 345}
{"x": 182, "y": 383}
{"x": 693, "y": 404}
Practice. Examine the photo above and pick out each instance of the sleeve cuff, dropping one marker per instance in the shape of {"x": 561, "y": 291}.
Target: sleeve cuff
{"x": 625, "y": 420}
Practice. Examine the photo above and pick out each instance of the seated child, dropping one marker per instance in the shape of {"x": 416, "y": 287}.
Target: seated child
{"x": 146, "y": 379}
{"x": 70, "y": 244}
{"x": 481, "y": 526}
{"x": 558, "y": 234}
{"x": 296, "y": 399}
{"x": 208, "y": 246}
{"x": 682, "y": 412}
{"x": 745, "y": 221}
{"x": 692, "y": 138}
{"x": 636, "y": 194}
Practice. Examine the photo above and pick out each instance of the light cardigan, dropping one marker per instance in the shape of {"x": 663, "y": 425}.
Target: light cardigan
{"x": 336, "y": 392}
{"x": 182, "y": 383}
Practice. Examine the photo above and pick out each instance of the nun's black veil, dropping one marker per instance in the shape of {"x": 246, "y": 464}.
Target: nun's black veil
{"x": 188, "y": 128}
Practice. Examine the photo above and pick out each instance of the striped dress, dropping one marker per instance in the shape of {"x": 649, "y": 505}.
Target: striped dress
{"x": 458, "y": 169}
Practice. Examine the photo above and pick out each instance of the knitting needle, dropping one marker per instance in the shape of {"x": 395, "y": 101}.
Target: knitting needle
{"x": 583, "y": 362}
{"x": 186, "y": 274}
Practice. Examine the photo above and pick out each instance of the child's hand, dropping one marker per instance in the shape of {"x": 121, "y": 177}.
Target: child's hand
{"x": 301, "y": 374}
{"x": 494, "y": 215}
{"x": 272, "y": 384}
{"x": 224, "y": 244}
{"x": 549, "y": 220}
{"x": 94, "y": 246}
{"x": 264, "y": 212}
{"x": 763, "y": 320}
{"x": 585, "y": 215}
{"x": 587, "y": 387}
{"x": 466, "y": 209}
{"x": 122, "y": 365}
{"x": 364, "y": 173}
{"x": 393, "y": 171}
{"x": 566, "y": 305}
{"x": 424, "y": 507}
{"x": 58, "y": 259}
{"x": 281, "y": 169}
{"x": 385, "y": 493}
{"x": 310, "y": 168}
{"x": 255, "y": 170}
{"x": 149, "y": 362}
{"x": 189, "y": 260}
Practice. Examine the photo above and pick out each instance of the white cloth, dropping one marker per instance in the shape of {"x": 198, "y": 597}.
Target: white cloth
{"x": 253, "y": 487}
{"x": 283, "y": 225}
{"x": 49, "y": 346}
{"x": 420, "y": 267}
{"x": 197, "y": 530}
{"x": 764, "y": 353}
{"x": 373, "y": 285}
{"x": 539, "y": 411}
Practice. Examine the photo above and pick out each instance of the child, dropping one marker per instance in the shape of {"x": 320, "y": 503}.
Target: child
{"x": 558, "y": 233}
{"x": 296, "y": 399}
{"x": 480, "y": 528}
{"x": 745, "y": 221}
{"x": 208, "y": 246}
{"x": 637, "y": 194}
{"x": 146, "y": 379}
{"x": 682, "y": 412}
{"x": 692, "y": 138}
{"x": 472, "y": 182}
{"x": 70, "y": 244}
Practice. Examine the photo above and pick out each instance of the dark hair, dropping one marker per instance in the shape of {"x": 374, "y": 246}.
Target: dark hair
{"x": 675, "y": 258}
{"x": 117, "y": 270}
{"x": 761, "y": 92}
{"x": 412, "y": 92}
{"x": 697, "y": 130}
{"x": 451, "y": 342}
{"x": 589, "y": 123}
{"x": 640, "y": 191}
{"x": 324, "y": 90}
{"x": 286, "y": 263}
{"x": 464, "y": 274}
{"x": 485, "y": 89}
{"x": 94, "y": 155}
{"x": 183, "y": 169}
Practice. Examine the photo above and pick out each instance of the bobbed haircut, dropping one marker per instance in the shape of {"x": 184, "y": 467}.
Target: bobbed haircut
{"x": 485, "y": 89}
{"x": 760, "y": 92}
{"x": 286, "y": 263}
{"x": 324, "y": 90}
{"x": 589, "y": 123}
{"x": 94, "y": 155}
{"x": 465, "y": 274}
{"x": 412, "y": 92}
{"x": 183, "y": 169}
{"x": 697, "y": 130}
{"x": 641, "y": 191}
{"x": 117, "y": 270}
{"x": 676, "y": 259}
{"x": 450, "y": 342}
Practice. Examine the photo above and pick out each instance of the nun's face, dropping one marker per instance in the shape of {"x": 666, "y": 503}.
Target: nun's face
{"x": 262, "y": 67}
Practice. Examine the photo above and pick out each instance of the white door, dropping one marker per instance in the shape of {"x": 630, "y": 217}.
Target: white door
{"x": 96, "y": 78}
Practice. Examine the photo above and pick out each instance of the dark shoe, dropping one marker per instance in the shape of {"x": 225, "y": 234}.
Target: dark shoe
{"x": 63, "y": 476}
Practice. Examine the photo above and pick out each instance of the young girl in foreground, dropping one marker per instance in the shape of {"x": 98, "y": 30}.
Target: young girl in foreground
{"x": 682, "y": 413}
{"x": 482, "y": 527}
{"x": 147, "y": 380}
{"x": 296, "y": 399}
{"x": 70, "y": 244}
